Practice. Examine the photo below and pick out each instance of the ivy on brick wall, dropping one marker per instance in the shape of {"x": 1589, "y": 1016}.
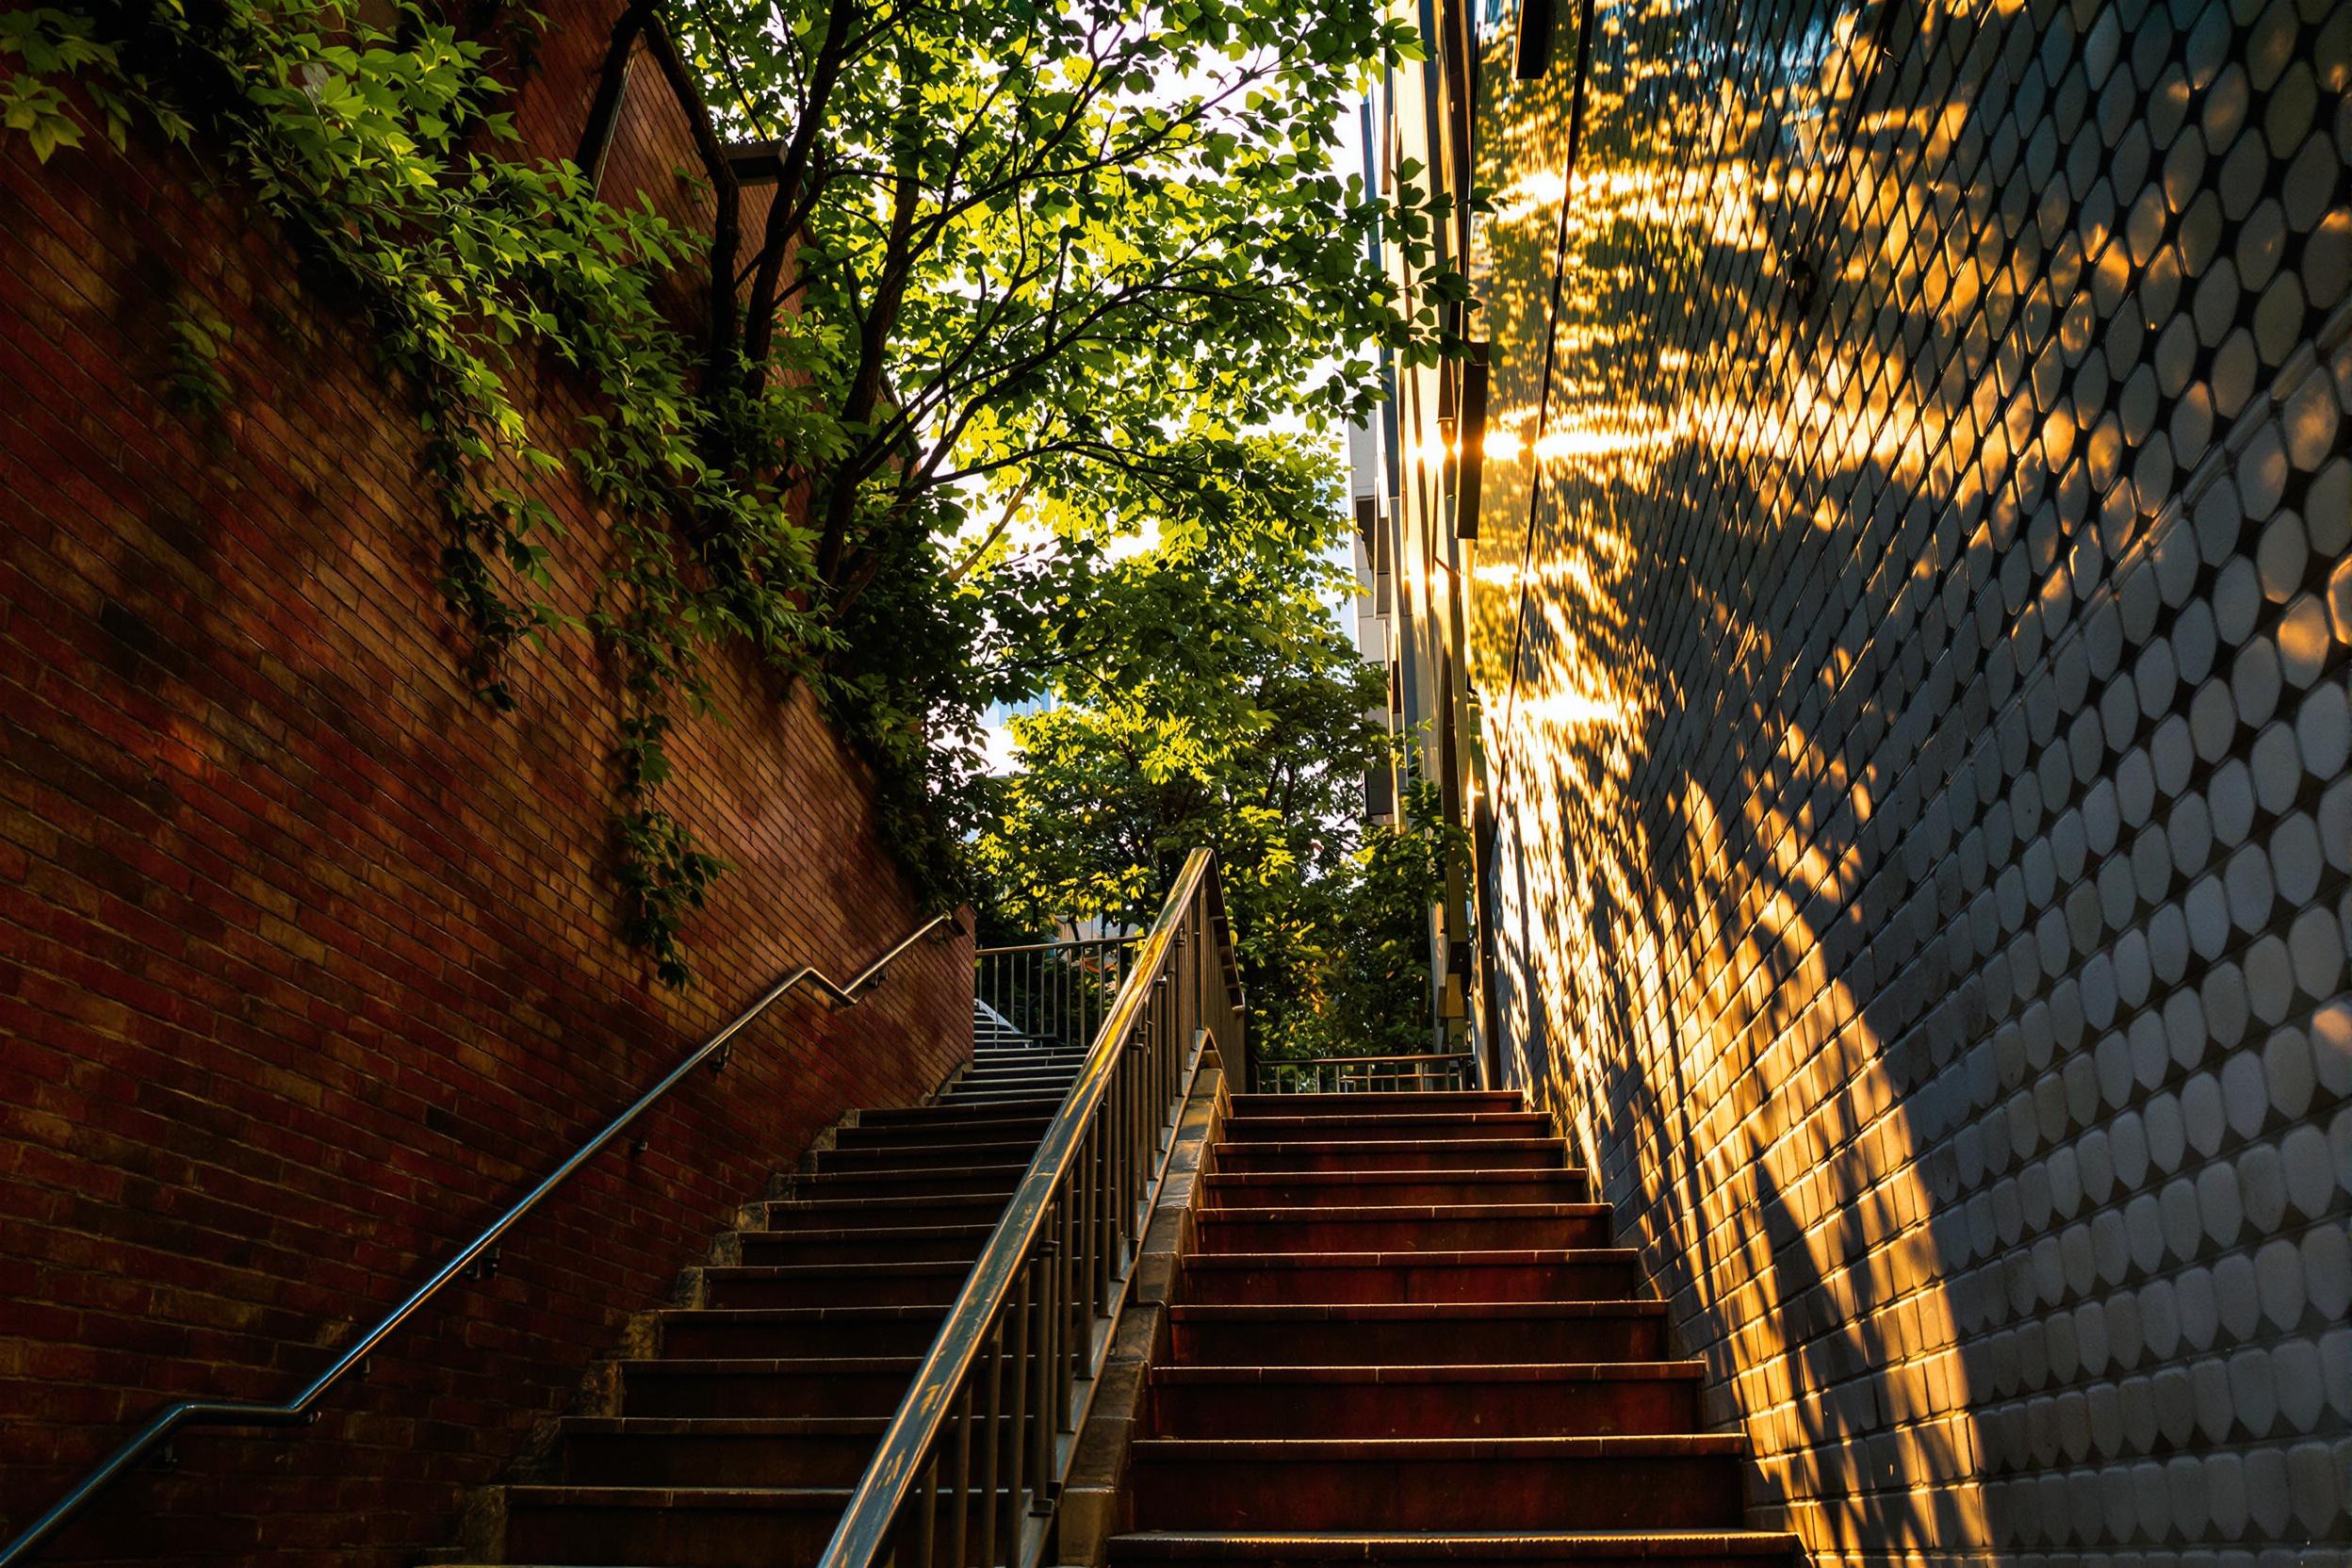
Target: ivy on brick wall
{"x": 368, "y": 144}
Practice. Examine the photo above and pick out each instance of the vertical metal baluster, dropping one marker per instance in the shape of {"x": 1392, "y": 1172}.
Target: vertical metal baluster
{"x": 928, "y": 1523}
{"x": 1106, "y": 1221}
{"x": 1071, "y": 1262}
{"x": 958, "y": 1537}
{"x": 1115, "y": 1163}
{"x": 991, "y": 1442}
{"x": 1017, "y": 1422}
{"x": 1049, "y": 1377}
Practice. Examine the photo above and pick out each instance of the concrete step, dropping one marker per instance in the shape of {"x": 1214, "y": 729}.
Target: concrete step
{"x": 1438, "y": 1484}
{"x": 1458, "y": 1334}
{"x": 931, "y": 1182}
{"x": 925, "y": 1157}
{"x": 1060, "y": 1069}
{"x": 910, "y": 1283}
{"x": 770, "y": 1386}
{"x": 1560, "y": 1274}
{"x": 1518, "y": 1549}
{"x": 888, "y": 1239}
{"x": 937, "y": 1118}
{"x": 1049, "y": 1095}
{"x": 1374, "y": 1103}
{"x": 753, "y": 1333}
{"x": 1400, "y": 1126}
{"x": 788, "y": 1215}
{"x": 1281, "y": 1189}
{"x": 1602, "y": 1398}
{"x": 955, "y": 1126}
{"x": 1350, "y": 1154}
{"x": 1438, "y": 1226}
{"x": 662, "y": 1527}
{"x": 668, "y": 1451}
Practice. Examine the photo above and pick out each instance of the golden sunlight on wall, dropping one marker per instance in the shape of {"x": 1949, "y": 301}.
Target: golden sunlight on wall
{"x": 1913, "y": 615}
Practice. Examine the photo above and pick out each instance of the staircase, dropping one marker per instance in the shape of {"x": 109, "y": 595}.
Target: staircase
{"x": 1403, "y": 1338}
{"x": 735, "y": 1436}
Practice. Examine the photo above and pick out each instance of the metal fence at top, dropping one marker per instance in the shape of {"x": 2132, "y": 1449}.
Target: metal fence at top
{"x": 1365, "y": 1074}
{"x": 1055, "y": 994}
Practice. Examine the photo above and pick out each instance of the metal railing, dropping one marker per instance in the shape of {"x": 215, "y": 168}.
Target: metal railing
{"x": 303, "y": 1409}
{"x": 1365, "y": 1074}
{"x": 970, "y": 1468}
{"x": 1053, "y": 994}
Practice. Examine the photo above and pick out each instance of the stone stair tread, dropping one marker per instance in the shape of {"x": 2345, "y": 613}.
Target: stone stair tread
{"x": 1275, "y": 1312}
{"x": 1420, "y": 1101}
{"x": 1387, "y": 1118}
{"x": 1502, "y": 1545}
{"x": 997, "y": 1154}
{"x": 726, "y": 1426}
{"x": 820, "y": 1181}
{"x": 587, "y": 1495}
{"x": 851, "y": 1311}
{"x": 1388, "y": 1213}
{"x": 862, "y": 1233}
{"x": 849, "y": 1273}
{"x": 918, "y": 1203}
{"x": 1232, "y": 1147}
{"x": 1009, "y": 1126}
{"x": 1499, "y": 1177}
{"x": 1275, "y": 1450}
{"x": 1043, "y": 1108}
{"x": 1467, "y": 1372}
{"x": 754, "y": 1366}
{"x": 1481, "y": 1257}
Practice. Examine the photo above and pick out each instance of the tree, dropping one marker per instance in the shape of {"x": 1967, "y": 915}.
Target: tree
{"x": 1361, "y": 986}
{"x": 1207, "y": 697}
{"x": 1016, "y": 246}
{"x": 1027, "y": 270}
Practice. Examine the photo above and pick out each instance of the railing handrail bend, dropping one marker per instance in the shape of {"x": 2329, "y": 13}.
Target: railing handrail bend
{"x": 302, "y": 1409}
{"x": 883, "y": 1491}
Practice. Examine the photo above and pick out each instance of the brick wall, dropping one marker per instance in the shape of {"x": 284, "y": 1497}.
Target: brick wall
{"x": 1914, "y": 630}
{"x": 309, "y": 962}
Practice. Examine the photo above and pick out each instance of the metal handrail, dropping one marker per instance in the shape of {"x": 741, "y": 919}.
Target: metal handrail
{"x": 302, "y": 1409}
{"x": 1053, "y": 1272}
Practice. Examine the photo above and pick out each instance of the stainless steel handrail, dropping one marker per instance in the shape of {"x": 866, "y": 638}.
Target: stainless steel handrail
{"x": 302, "y": 1409}
{"x": 1053, "y": 1272}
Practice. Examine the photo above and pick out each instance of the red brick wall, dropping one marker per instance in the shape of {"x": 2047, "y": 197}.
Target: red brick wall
{"x": 309, "y": 962}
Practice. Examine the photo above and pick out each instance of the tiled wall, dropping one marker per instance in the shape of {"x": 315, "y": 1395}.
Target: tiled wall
{"x": 1914, "y": 611}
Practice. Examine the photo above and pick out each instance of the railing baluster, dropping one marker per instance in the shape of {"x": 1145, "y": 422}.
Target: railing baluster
{"x": 991, "y": 1442}
{"x": 927, "y": 1519}
{"x": 1048, "y": 1372}
{"x": 1016, "y": 1425}
{"x": 958, "y": 1540}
